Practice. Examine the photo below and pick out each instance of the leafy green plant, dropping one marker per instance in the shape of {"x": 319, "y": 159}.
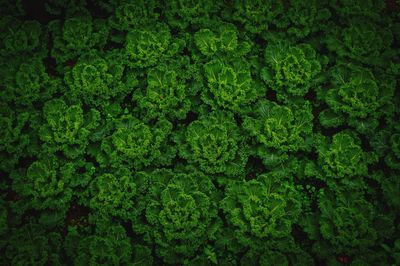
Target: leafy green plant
{"x": 181, "y": 213}
{"x": 356, "y": 97}
{"x": 230, "y": 86}
{"x": 291, "y": 70}
{"x": 109, "y": 245}
{"x": 214, "y": 143}
{"x": 146, "y": 47}
{"x": 95, "y": 79}
{"x": 350, "y": 217}
{"x": 67, "y": 127}
{"x": 75, "y": 36}
{"x": 238, "y": 132}
{"x": 166, "y": 93}
{"x": 260, "y": 209}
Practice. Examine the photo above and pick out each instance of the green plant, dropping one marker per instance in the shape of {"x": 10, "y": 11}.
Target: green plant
{"x": 238, "y": 132}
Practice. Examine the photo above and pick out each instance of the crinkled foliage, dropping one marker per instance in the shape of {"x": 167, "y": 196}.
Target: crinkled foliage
{"x": 108, "y": 246}
{"x": 258, "y": 15}
{"x": 76, "y": 35}
{"x": 137, "y": 143}
{"x": 213, "y": 143}
{"x": 114, "y": 194}
{"x": 182, "y": 13}
{"x": 260, "y": 209}
{"x": 67, "y": 128}
{"x": 346, "y": 220}
{"x": 128, "y": 14}
{"x": 357, "y": 97}
{"x": 290, "y": 70}
{"x": 146, "y": 47}
{"x": 181, "y": 211}
{"x": 239, "y": 132}
{"x": 343, "y": 156}
{"x": 166, "y": 94}
{"x": 281, "y": 127}
{"x": 230, "y": 85}
{"x": 95, "y": 78}
{"x": 20, "y": 36}
{"x": 210, "y": 43}
{"x": 362, "y": 42}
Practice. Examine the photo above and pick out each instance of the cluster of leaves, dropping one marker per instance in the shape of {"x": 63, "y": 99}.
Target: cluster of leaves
{"x": 200, "y": 132}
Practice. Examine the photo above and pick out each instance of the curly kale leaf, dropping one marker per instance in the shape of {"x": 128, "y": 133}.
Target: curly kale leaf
{"x": 346, "y": 221}
{"x": 181, "y": 212}
{"x": 166, "y": 94}
{"x": 362, "y": 42}
{"x": 21, "y": 37}
{"x": 67, "y": 128}
{"x": 369, "y": 9}
{"x": 261, "y": 209}
{"x": 138, "y": 143}
{"x": 280, "y": 127}
{"x": 44, "y": 185}
{"x": 26, "y": 83}
{"x": 108, "y": 246}
{"x": 15, "y": 140}
{"x": 30, "y": 244}
{"x": 343, "y": 158}
{"x": 114, "y": 194}
{"x": 223, "y": 41}
{"x": 214, "y": 142}
{"x": 386, "y": 143}
{"x": 77, "y": 35}
{"x": 96, "y": 78}
{"x": 358, "y": 97}
{"x": 257, "y": 15}
{"x": 355, "y": 94}
{"x": 306, "y": 17}
{"x": 291, "y": 70}
{"x": 182, "y": 13}
{"x": 206, "y": 41}
{"x": 390, "y": 185}
{"x": 129, "y": 15}
{"x": 230, "y": 85}
{"x": 147, "y": 47}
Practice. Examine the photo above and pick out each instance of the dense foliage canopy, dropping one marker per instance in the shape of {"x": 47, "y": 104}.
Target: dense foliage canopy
{"x": 201, "y": 132}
